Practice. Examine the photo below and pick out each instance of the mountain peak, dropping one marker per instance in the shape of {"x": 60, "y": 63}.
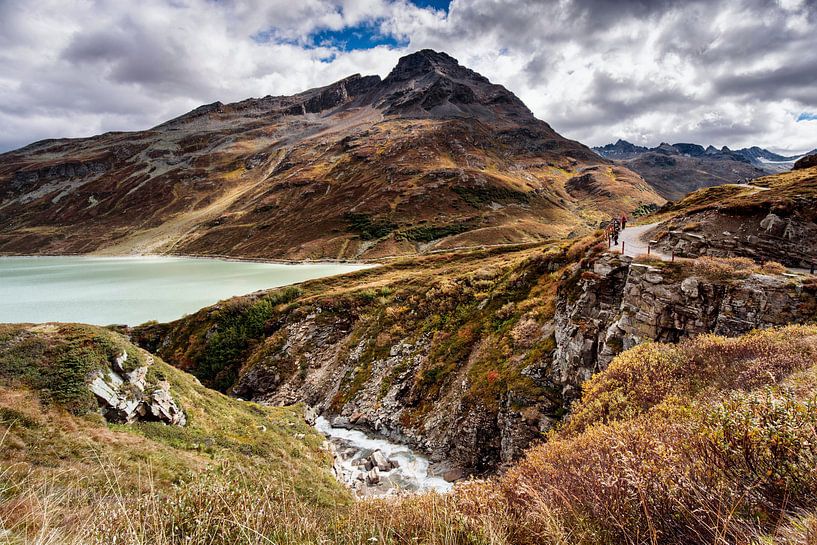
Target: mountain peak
{"x": 428, "y": 61}
{"x": 430, "y": 83}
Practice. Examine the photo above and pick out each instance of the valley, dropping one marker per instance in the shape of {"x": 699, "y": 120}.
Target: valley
{"x": 678, "y": 169}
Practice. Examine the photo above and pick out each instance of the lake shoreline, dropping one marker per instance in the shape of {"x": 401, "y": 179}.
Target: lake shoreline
{"x": 371, "y": 263}
{"x": 135, "y": 289}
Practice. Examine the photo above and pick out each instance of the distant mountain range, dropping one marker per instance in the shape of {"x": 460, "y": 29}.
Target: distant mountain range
{"x": 677, "y": 169}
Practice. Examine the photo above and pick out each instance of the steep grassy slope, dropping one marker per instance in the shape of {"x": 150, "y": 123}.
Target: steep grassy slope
{"x": 64, "y": 472}
{"x": 781, "y": 193}
{"x": 433, "y": 156}
{"x": 441, "y": 351}
{"x": 708, "y": 441}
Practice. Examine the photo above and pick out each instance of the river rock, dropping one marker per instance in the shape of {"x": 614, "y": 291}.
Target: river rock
{"x": 310, "y": 415}
{"x": 380, "y": 461}
{"x": 373, "y": 477}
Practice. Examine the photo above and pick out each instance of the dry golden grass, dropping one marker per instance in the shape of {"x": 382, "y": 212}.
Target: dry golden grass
{"x": 773, "y": 267}
{"x": 709, "y": 441}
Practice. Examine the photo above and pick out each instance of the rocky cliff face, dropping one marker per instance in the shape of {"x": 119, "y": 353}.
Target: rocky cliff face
{"x": 618, "y": 304}
{"x": 775, "y": 220}
{"x": 441, "y": 359}
{"x": 790, "y": 240}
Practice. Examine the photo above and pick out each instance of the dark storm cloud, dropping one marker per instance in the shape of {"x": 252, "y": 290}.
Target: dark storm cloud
{"x": 798, "y": 79}
{"x": 658, "y": 69}
{"x": 736, "y": 72}
{"x": 132, "y": 54}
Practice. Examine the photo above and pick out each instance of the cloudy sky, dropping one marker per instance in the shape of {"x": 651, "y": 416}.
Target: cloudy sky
{"x": 736, "y": 72}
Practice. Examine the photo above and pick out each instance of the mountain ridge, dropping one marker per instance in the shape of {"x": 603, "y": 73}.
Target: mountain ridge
{"x": 624, "y": 149}
{"x": 676, "y": 170}
{"x": 433, "y": 156}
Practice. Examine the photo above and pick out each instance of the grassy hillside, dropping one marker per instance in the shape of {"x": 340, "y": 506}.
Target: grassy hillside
{"x": 708, "y": 441}
{"x": 448, "y": 339}
{"x": 66, "y": 474}
{"x": 782, "y": 194}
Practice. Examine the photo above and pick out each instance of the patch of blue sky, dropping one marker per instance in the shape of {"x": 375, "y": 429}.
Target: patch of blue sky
{"x": 806, "y": 116}
{"x": 365, "y": 36}
{"x": 436, "y": 4}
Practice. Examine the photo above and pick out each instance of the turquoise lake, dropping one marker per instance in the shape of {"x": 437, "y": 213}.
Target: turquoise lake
{"x": 133, "y": 290}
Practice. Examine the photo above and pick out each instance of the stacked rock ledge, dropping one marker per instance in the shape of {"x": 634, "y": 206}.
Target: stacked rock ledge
{"x": 126, "y": 397}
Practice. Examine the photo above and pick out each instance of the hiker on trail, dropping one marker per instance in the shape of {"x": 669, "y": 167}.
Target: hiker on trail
{"x": 623, "y": 221}
{"x": 612, "y": 231}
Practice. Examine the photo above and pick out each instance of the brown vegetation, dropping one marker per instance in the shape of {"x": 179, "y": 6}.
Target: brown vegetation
{"x": 709, "y": 441}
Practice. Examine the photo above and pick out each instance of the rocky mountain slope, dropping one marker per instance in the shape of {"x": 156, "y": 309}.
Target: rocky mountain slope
{"x": 675, "y": 170}
{"x": 774, "y": 218}
{"x": 433, "y": 156}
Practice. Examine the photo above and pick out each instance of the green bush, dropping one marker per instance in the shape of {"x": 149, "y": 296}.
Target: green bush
{"x": 480, "y": 196}
{"x": 427, "y": 233}
{"x": 367, "y": 227}
{"x": 237, "y": 328}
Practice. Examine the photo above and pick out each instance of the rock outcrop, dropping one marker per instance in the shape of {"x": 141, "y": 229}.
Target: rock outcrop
{"x": 618, "y": 304}
{"x": 790, "y": 239}
{"x": 125, "y": 396}
{"x": 806, "y": 161}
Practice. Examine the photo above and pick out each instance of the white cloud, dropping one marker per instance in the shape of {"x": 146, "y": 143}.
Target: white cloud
{"x": 737, "y": 72}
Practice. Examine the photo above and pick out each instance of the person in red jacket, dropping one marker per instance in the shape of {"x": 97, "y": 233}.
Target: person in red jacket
{"x": 623, "y": 221}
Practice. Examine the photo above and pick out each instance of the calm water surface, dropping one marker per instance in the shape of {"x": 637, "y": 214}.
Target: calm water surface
{"x": 133, "y": 290}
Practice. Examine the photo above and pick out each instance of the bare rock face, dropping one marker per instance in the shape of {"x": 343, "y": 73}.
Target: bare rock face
{"x": 806, "y": 162}
{"x": 126, "y": 397}
{"x": 620, "y": 304}
{"x": 789, "y": 239}
{"x": 585, "y": 309}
